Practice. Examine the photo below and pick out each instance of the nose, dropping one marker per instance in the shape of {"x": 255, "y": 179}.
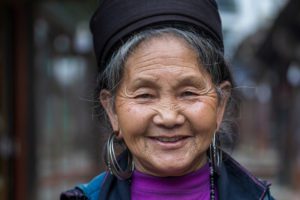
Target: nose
{"x": 169, "y": 116}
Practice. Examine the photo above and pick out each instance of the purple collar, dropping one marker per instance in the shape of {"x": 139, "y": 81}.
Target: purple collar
{"x": 194, "y": 185}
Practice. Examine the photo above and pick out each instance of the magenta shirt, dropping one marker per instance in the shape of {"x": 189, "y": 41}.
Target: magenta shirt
{"x": 195, "y": 185}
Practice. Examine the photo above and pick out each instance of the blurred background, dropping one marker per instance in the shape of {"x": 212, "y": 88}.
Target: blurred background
{"x": 50, "y": 139}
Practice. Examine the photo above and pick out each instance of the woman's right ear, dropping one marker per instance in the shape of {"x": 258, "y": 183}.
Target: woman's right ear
{"x": 106, "y": 101}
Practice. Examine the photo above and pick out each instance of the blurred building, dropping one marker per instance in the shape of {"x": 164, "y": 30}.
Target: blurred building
{"x": 49, "y": 137}
{"x": 242, "y": 18}
{"x": 266, "y": 65}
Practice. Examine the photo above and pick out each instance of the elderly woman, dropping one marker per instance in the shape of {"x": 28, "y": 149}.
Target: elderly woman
{"x": 166, "y": 91}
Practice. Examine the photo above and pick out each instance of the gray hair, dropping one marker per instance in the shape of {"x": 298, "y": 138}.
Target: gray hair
{"x": 209, "y": 57}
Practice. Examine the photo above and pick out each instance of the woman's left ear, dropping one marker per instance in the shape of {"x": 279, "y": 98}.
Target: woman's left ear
{"x": 225, "y": 91}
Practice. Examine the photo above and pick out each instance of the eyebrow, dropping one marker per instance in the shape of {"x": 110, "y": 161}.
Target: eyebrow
{"x": 145, "y": 82}
{"x": 192, "y": 80}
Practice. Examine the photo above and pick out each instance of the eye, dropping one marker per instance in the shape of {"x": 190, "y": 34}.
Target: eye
{"x": 188, "y": 94}
{"x": 144, "y": 96}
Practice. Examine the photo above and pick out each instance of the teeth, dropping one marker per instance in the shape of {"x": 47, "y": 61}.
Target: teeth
{"x": 174, "y": 139}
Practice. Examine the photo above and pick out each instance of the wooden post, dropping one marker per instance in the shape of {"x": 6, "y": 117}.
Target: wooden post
{"x": 22, "y": 68}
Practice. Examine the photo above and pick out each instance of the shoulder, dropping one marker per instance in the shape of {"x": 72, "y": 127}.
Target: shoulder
{"x": 235, "y": 180}
{"x": 92, "y": 188}
{"x": 87, "y": 191}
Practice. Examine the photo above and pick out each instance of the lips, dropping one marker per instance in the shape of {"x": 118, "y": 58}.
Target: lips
{"x": 169, "y": 143}
{"x": 169, "y": 139}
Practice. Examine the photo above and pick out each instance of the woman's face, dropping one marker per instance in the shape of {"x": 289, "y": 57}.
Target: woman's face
{"x": 166, "y": 108}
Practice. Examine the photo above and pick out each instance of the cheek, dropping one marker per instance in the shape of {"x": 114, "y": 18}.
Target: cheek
{"x": 134, "y": 122}
{"x": 133, "y": 119}
{"x": 204, "y": 124}
{"x": 202, "y": 116}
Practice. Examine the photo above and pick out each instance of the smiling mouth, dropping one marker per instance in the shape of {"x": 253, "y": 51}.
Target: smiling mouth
{"x": 169, "y": 139}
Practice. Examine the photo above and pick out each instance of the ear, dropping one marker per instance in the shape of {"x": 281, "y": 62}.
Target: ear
{"x": 225, "y": 94}
{"x": 107, "y": 103}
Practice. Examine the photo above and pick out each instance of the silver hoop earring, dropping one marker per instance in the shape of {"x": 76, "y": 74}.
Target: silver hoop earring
{"x": 215, "y": 154}
{"x": 112, "y": 162}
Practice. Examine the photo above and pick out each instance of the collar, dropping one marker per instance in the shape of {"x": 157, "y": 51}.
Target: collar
{"x": 235, "y": 182}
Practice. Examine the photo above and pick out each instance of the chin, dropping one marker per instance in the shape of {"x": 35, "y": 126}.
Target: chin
{"x": 173, "y": 170}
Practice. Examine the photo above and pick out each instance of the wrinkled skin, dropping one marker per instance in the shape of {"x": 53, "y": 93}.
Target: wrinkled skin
{"x": 166, "y": 108}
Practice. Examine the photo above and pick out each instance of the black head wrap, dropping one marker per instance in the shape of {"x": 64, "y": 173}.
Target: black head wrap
{"x": 116, "y": 20}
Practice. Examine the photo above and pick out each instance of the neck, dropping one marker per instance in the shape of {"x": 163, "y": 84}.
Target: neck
{"x": 170, "y": 172}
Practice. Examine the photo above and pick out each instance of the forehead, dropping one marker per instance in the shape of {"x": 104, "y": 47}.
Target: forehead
{"x": 163, "y": 53}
